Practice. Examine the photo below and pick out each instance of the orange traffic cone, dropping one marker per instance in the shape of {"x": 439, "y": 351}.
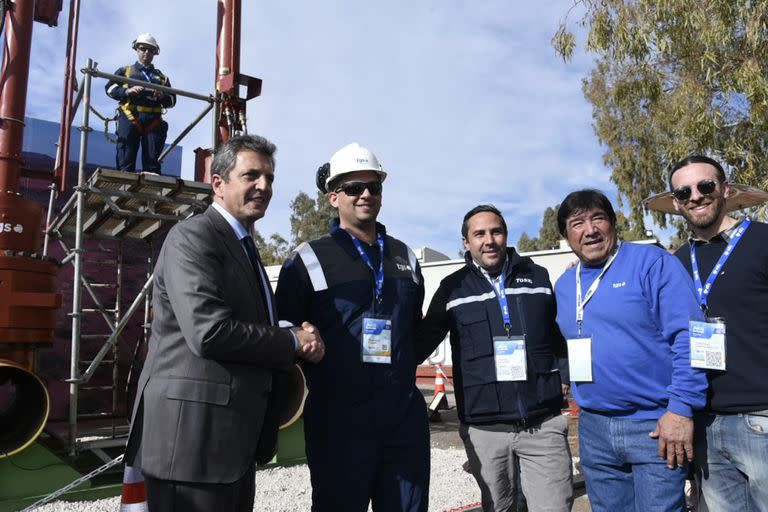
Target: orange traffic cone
{"x": 439, "y": 400}
{"x": 134, "y": 498}
{"x": 439, "y": 380}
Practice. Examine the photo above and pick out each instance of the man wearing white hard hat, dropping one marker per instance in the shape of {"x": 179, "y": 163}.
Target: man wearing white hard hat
{"x": 365, "y": 422}
{"x": 140, "y": 110}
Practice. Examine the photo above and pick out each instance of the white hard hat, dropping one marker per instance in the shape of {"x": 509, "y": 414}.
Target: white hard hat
{"x": 146, "y": 38}
{"x": 353, "y": 157}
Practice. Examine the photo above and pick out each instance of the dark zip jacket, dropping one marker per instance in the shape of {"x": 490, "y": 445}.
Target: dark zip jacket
{"x": 466, "y": 305}
{"x": 326, "y": 282}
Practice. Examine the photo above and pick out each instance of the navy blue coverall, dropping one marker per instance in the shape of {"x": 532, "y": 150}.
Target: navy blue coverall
{"x": 140, "y": 120}
{"x": 365, "y": 424}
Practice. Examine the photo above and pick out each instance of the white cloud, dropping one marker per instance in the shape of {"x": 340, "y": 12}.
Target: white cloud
{"x": 463, "y": 102}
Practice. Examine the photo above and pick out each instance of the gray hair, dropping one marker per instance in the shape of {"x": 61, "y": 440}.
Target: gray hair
{"x": 226, "y": 155}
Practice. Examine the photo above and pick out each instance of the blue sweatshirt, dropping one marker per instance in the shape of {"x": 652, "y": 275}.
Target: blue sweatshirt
{"x": 638, "y": 321}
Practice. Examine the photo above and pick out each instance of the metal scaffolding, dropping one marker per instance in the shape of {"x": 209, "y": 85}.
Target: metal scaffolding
{"x": 113, "y": 206}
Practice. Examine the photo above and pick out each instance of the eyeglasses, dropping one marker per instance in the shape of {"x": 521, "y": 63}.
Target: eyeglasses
{"x": 356, "y": 188}
{"x": 705, "y": 187}
{"x": 145, "y": 49}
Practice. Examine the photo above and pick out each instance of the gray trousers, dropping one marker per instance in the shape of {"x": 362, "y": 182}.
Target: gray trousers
{"x": 545, "y": 465}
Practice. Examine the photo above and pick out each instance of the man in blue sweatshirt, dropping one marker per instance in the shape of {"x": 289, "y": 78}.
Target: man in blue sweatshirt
{"x": 729, "y": 259}
{"x": 625, "y": 312}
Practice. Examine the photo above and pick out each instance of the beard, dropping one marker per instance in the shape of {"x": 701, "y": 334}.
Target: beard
{"x": 709, "y": 217}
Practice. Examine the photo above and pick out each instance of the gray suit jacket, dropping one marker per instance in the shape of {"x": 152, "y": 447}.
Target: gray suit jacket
{"x": 202, "y": 397}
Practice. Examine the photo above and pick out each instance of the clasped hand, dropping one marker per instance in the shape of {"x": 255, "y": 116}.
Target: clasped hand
{"x": 311, "y": 345}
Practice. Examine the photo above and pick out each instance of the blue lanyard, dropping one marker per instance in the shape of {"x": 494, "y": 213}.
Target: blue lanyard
{"x": 147, "y": 76}
{"x": 501, "y": 295}
{"x": 703, "y": 291}
{"x": 379, "y": 276}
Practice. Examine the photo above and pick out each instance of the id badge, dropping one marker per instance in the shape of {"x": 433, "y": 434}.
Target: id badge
{"x": 376, "y": 344}
{"x": 707, "y": 343}
{"x": 509, "y": 358}
{"x": 580, "y": 359}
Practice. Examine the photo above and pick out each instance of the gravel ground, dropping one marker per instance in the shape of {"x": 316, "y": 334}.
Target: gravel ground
{"x": 287, "y": 489}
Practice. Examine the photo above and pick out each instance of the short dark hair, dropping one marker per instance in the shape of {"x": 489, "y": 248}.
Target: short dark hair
{"x": 583, "y": 200}
{"x": 698, "y": 159}
{"x": 480, "y": 209}
{"x": 226, "y": 154}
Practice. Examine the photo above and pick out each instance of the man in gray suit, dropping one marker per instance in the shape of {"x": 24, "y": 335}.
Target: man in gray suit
{"x": 203, "y": 416}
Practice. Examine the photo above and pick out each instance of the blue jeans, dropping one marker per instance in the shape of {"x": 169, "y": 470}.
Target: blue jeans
{"x": 622, "y": 468}
{"x": 732, "y": 459}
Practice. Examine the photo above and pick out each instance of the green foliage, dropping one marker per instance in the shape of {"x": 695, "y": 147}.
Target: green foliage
{"x": 309, "y": 220}
{"x": 675, "y": 77}
{"x": 549, "y": 236}
{"x": 526, "y": 243}
{"x": 310, "y": 217}
{"x": 628, "y": 230}
{"x": 273, "y": 252}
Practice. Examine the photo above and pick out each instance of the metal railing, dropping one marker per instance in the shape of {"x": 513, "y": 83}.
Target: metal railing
{"x": 75, "y": 254}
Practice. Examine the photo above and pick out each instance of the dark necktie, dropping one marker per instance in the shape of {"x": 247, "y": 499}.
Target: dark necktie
{"x": 253, "y": 255}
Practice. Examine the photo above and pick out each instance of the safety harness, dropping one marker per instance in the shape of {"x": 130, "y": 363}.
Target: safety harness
{"x": 127, "y": 107}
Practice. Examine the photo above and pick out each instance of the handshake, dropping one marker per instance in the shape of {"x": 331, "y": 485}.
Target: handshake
{"x": 311, "y": 346}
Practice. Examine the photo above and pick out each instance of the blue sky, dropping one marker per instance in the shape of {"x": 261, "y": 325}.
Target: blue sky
{"x": 464, "y": 102}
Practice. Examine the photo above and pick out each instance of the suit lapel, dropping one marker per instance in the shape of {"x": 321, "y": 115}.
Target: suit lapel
{"x": 237, "y": 252}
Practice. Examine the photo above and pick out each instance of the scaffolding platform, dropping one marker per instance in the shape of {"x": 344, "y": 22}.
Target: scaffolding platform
{"x": 121, "y": 205}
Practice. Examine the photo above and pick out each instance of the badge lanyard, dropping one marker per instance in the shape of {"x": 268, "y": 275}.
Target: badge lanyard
{"x": 379, "y": 276}
{"x": 501, "y": 295}
{"x": 580, "y": 304}
{"x": 703, "y": 291}
{"x": 147, "y": 76}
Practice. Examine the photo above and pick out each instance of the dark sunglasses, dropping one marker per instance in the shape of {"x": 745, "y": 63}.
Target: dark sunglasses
{"x": 145, "y": 49}
{"x": 705, "y": 187}
{"x": 356, "y": 188}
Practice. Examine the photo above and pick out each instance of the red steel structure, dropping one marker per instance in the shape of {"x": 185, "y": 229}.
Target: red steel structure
{"x": 230, "y": 113}
{"x": 28, "y": 283}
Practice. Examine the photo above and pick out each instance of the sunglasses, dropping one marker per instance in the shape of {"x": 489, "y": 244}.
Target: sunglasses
{"x": 705, "y": 187}
{"x": 145, "y": 49}
{"x": 356, "y": 188}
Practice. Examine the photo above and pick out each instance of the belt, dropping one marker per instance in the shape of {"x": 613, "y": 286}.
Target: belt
{"x": 141, "y": 108}
{"x": 148, "y": 109}
{"x": 763, "y": 413}
{"x": 516, "y": 425}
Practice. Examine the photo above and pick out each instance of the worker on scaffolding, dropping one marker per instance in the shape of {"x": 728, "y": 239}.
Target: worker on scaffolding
{"x": 140, "y": 112}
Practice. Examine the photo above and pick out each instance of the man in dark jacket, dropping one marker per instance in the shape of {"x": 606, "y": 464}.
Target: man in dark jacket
{"x": 365, "y": 422}
{"x": 140, "y": 118}
{"x": 500, "y": 312}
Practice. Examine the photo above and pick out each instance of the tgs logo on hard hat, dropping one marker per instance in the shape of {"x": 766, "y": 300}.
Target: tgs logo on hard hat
{"x": 353, "y": 157}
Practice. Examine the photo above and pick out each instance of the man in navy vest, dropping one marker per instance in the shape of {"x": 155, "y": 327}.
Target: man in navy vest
{"x": 500, "y": 311}
{"x": 728, "y": 259}
{"x": 365, "y": 422}
{"x": 140, "y": 112}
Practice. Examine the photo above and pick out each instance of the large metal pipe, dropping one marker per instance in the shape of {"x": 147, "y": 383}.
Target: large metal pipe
{"x": 24, "y": 406}
{"x": 228, "y": 43}
{"x": 65, "y": 122}
{"x": 28, "y": 283}
{"x": 14, "y": 77}
{"x": 227, "y": 60}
